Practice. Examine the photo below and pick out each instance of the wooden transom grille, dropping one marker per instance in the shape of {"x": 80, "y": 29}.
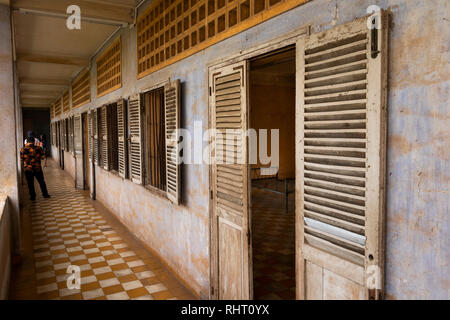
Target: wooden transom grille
{"x": 228, "y": 148}
{"x": 109, "y": 69}
{"x": 170, "y": 30}
{"x": 66, "y": 102}
{"x": 58, "y": 107}
{"x": 335, "y": 146}
{"x": 81, "y": 90}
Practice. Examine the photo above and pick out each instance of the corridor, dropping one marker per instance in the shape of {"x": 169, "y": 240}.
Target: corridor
{"x": 71, "y": 229}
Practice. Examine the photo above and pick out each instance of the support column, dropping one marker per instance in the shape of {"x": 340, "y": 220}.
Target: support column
{"x": 9, "y": 181}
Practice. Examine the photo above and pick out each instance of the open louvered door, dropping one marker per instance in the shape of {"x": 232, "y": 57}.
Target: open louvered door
{"x": 78, "y": 150}
{"x": 231, "y": 266}
{"x": 341, "y": 83}
{"x": 122, "y": 137}
{"x": 172, "y": 124}
{"x": 135, "y": 125}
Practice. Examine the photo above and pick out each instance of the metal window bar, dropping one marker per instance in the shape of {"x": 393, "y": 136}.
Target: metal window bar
{"x": 155, "y": 139}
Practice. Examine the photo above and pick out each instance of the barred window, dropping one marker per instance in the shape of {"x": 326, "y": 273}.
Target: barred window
{"x": 113, "y": 141}
{"x": 154, "y": 139}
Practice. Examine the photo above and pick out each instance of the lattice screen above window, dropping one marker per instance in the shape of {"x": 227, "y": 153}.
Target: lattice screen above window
{"x": 170, "y": 30}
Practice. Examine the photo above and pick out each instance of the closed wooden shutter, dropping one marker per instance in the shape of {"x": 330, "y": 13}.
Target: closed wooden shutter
{"x": 64, "y": 135}
{"x": 172, "y": 123}
{"x": 341, "y": 132}
{"x": 72, "y": 135}
{"x": 90, "y": 134}
{"x": 122, "y": 138}
{"x": 135, "y": 125}
{"x": 230, "y": 183}
{"x": 95, "y": 131}
{"x": 104, "y": 138}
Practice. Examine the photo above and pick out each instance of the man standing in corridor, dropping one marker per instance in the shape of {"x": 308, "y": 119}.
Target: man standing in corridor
{"x": 31, "y": 156}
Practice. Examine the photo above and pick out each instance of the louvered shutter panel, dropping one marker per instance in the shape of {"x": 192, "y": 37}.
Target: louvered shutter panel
{"x": 72, "y": 136}
{"x": 104, "y": 138}
{"x": 341, "y": 154}
{"x": 90, "y": 135}
{"x": 64, "y": 135}
{"x": 122, "y": 137}
{"x": 230, "y": 181}
{"x": 95, "y": 131}
{"x": 135, "y": 125}
{"x": 172, "y": 124}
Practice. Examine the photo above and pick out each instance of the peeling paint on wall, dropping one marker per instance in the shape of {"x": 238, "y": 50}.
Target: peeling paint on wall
{"x": 418, "y": 152}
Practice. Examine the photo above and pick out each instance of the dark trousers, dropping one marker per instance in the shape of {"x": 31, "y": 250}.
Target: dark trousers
{"x": 39, "y": 175}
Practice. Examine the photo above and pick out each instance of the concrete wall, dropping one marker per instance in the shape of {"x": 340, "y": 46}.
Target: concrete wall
{"x": 5, "y": 246}
{"x": 418, "y": 155}
{"x": 8, "y": 155}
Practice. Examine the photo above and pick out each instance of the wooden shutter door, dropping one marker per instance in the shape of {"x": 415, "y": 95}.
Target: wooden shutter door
{"x": 90, "y": 135}
{"x": 64, "y": 134}
{"x": 340, "y": 156}
{"x": 231, "y": 246}
{"x": 135, "y": 125}
{"x": 72, "y": 133}
{"x": 95, "y": 130}
{"x": 122, "y": 137}
{"x": 78, "y": 150}
{"x": 104, "y": 138}
{"x": 172, "y": 124}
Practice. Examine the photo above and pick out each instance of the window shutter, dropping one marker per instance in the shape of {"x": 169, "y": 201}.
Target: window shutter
{"x": 64, "y": 135}
{"x": 95, "y": 140}
{"x": 72, "y": 136}
{"x": 104, "y": 138}
{"x": 122, "y": 137}
{"x": 172, "y": 123}
{"x": 341, "y": 123}
{"x": 90, "y": 135}
{"x": 135, "y": 125}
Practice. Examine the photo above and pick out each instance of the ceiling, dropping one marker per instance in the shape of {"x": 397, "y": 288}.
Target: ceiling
{"x": 48, "y": 54}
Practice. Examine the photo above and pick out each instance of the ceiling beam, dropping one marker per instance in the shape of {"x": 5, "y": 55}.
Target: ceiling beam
{"x": 47, "y": 82}
{"x": 44, "y": 58}
{"x": 91, "y": 10}
{"x": 38, "y": 100}
{"x": 36, "y": 105}
{"x": 45, "y": 93}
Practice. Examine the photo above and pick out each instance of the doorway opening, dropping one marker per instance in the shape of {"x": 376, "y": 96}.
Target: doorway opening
{"x": 272, "y": 106}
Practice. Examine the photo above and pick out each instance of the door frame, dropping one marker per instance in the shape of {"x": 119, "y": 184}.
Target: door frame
{"x": 272, "y": 45}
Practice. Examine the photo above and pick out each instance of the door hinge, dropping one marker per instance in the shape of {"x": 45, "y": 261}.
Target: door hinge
{"x": 374, "y": 38}
{"x": 211, "y": 194}
{"x": 375, "y": 294}
{"x": 212, "y": 291}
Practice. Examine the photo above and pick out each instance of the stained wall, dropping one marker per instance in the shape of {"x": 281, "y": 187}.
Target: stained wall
{"x": 418, "y": 155}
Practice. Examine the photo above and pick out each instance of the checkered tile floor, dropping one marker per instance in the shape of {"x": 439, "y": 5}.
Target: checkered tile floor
{"x": 273, "y": 246}
{"x": 67, "y": 230}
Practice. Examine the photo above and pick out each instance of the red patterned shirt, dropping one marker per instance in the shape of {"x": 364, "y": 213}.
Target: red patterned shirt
{"x": 31, "y": 156}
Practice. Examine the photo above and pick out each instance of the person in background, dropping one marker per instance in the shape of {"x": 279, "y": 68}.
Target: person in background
{"x": 43, "y": 145}
{"x": 29, "y": 135}
{"x": 31, "y": 156}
